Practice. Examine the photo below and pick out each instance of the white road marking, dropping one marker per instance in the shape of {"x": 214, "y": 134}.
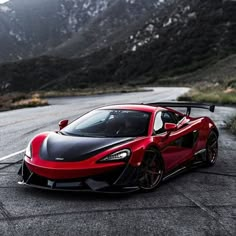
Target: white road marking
{"x": 11, "y": 155}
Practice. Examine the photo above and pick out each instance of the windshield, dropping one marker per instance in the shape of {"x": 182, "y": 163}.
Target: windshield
{"x": 110, "y": 123}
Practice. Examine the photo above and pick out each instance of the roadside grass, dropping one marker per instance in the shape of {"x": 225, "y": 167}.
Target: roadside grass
{"x": 19, "y": 100}
{"x": 218, "y": 94}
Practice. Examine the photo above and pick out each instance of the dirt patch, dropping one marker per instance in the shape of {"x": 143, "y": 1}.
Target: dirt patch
{"x": 20, "y": 100}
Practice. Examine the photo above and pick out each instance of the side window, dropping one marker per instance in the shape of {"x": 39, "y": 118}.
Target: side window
{"x": 178, "y": 117}
{"x": 168, "y": 117}
{"x": 158, "y": 124}
{"x": 161, "y": 118}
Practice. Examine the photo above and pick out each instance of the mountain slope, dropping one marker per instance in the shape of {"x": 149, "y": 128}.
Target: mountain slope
{"x": 77, "y": 27}
{"x": 30, "y": 27}
{"x": 181, "y": 36}
{"x": 178, "y": 40}
{"x": 115, "y": 24}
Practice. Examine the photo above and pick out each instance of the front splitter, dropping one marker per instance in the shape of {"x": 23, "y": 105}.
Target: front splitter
{"x": 108, "y": 190}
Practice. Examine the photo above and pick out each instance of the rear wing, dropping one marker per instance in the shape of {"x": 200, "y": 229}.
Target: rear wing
{"x": 187, "y": 105}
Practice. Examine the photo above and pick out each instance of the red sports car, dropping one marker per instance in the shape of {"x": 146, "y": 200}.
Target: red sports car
{"x": 121, "y": 148}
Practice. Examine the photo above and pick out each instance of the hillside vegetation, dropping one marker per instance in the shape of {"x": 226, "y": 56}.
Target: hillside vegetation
{"x": 20, "y": 100}
{"x": 215, "y": 83}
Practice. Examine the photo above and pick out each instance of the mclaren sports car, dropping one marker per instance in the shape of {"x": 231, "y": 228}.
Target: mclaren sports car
{"x": 121, "y": 148}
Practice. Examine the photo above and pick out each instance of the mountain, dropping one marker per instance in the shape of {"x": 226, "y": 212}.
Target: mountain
{"x": 114, "y": 25}
{"x": 116, "y": 41}
{"x": 30, "y": 27}
{"x": 182, "y": 37}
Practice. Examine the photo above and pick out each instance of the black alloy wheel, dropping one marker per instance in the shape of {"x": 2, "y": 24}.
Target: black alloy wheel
{"x": 212, "y": 149}
{"x": 151, "y": 170}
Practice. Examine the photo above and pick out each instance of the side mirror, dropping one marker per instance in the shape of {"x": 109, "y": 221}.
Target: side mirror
{"x": 169, "y": 127}
{"x": 63, "y": 123}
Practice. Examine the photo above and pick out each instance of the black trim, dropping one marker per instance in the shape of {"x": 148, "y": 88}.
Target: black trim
{"x": 188, "y": 105}
{"x": 120, "y": 180}
{"x": 129, "y": 177}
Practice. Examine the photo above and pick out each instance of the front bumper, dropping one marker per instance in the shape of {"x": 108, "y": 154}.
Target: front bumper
{"x": 119, "y": 180}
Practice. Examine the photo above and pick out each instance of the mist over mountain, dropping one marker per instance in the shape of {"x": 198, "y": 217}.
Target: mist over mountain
{"x": 110, "y": 41}
{"x": 30, "y": 27}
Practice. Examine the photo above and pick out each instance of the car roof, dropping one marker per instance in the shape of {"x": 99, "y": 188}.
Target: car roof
{"x": 134, "y": 107}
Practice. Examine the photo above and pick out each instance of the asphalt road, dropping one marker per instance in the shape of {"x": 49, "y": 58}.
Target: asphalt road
{"x": 200, "y": 202}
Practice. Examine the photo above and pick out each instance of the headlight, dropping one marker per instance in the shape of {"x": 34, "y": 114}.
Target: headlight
{"x": 117, "y": 156}
{"x": 28, "y": 151}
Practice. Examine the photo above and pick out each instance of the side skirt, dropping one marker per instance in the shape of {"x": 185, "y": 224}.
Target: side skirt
{"x": 198, "y": 161}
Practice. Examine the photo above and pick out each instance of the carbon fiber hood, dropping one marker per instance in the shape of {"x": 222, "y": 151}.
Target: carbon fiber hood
{"x": 57, "y": 147}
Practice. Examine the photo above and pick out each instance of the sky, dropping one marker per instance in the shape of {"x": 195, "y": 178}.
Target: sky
{"x": 2, "y": 1}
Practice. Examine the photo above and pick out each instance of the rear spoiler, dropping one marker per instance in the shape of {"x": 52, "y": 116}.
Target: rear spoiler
{"x": 188, "y": 105}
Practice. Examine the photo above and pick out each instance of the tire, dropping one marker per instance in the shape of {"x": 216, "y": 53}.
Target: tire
{"x": 151, "y": 171}
{"x": 211, "y": 149}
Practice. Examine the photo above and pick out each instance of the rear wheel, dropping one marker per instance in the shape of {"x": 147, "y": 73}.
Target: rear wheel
{"x": 151, "y": 170}
{"x": 212, "y": 149}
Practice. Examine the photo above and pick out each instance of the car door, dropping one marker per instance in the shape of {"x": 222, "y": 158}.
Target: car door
{"x": 176, "y": 147}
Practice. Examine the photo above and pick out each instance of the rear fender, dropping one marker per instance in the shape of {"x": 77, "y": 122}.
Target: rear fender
{"x": 210, "y": 126}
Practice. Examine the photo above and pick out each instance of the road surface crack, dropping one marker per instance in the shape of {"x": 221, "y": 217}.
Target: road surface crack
{"x": 55, "y": 214}
{"x": 10, "y": 164}
{"x": 215, "y": 173}
{"x": 8, "y": 218}
{"x": 209, "y": 212}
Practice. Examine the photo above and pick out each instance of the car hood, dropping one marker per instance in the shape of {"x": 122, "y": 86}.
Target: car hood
{"x": 58, "y": 147}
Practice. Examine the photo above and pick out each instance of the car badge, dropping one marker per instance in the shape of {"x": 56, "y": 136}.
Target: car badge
{"x": 59, "y": 159}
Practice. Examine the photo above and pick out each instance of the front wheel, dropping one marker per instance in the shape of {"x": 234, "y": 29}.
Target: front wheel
{"x": 212, "y": 149}
{"x": 151, "y": 170}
